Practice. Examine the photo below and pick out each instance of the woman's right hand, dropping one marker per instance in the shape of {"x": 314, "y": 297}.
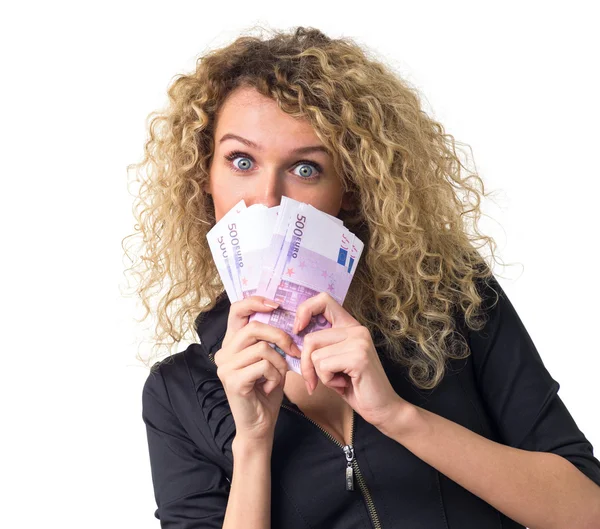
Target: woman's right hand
{"x": 245, "y": 357}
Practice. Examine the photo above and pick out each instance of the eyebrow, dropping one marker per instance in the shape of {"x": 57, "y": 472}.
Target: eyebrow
{"x": 249, "y": 143}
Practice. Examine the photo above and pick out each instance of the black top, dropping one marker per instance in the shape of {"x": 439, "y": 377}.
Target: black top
{"x": 502, "y": 391}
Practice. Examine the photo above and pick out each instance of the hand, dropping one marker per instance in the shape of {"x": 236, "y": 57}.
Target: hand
{"x": 344, "y": 358}
{"x": 245, "y": 356}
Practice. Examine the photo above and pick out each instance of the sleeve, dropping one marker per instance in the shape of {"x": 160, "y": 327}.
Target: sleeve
{"x": 518, "y": 391}
{"x": 190, "y": 490}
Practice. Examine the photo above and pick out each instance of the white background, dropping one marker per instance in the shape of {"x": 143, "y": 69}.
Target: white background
{"x": 518, "y": 82}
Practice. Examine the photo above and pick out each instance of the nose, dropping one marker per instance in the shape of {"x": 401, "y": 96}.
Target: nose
{"x": 266, "y": 190}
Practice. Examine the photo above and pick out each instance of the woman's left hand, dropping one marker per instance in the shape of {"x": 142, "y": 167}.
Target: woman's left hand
{"x": 344, "y": 358}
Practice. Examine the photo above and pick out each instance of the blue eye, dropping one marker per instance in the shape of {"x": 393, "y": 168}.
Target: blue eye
{"x": 305, "y": 165}
{"x": 233, "y": 156}
{"x": 243, "y": 167}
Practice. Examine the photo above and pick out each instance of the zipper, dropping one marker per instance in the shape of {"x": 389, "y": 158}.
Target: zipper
{"x": 352, "y": 466}
{"x": 351, "y": 462}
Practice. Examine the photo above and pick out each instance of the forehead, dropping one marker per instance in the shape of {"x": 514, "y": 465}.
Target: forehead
{"x": 248, "y": 113}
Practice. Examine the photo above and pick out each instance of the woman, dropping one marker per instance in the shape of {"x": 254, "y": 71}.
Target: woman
{"x": 426, "y": 397}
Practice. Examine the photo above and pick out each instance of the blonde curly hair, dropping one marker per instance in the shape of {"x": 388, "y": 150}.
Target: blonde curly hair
{"x": 419, "y": 268}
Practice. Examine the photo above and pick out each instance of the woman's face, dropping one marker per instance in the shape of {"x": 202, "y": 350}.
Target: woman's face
{"x": 261, "y": 173}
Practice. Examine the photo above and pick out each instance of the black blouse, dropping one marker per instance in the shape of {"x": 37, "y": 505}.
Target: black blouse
{"x": 502, "y": 391}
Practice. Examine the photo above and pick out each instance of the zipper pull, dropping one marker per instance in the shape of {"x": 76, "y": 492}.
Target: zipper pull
{"x": 349, "y": 451}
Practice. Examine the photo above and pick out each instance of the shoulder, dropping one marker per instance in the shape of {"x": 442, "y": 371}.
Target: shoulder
{"x": 184, "y": 388}
{"x": 179, "y": 373}
{"x": 496, "y": 316}
{"x": 162, "y": 384}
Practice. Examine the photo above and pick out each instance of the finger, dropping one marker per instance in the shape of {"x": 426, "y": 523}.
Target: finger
{"x": 324, "y": 304}
{"x": 242, "y": 381}
{"x": 240, "y": 312}
{"x": 339, "y": 380}
{"x": 331, "y": 361}
{"x": 270, "y": 385}
{"x": 257, "y": 331}
{"x": 259, "y": 351}
{"x": 312, "y": 342}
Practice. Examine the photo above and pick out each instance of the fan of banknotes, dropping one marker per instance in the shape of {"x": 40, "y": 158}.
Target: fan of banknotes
{"x": 288, "y": 253}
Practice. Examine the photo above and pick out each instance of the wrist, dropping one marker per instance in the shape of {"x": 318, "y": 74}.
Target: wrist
{"x": 402, "y": 421}
{"x": 244, "y": 446}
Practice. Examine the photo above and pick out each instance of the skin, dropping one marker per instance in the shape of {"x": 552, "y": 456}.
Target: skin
{"x": 267, "y": 173}
{"x": 274, "y": 170}
{"x": 534, "y": 488}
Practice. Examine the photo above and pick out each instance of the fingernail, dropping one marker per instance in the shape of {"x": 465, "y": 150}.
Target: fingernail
{"x": 308, "y": 387}
{"x": 295, "y": 350}
{"x": 269, "y": 303}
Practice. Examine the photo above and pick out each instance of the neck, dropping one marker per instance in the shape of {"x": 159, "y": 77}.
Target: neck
{"x": 323, "y": 398}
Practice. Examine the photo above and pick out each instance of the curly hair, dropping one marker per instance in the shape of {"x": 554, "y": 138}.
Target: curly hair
{"x": 420, "y": 266}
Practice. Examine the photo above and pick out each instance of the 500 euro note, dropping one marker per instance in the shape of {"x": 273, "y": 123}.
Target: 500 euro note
{"x": 275, "y": 254}
{"x": 252, "y": 244}
{"x": 252, "y": 231}
{"x": 219, "y": 242}
{"x": 311, "y": 256}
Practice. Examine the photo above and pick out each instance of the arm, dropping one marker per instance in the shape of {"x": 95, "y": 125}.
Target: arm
{"x": 190, "y": 490}
{"x": 543, "y": 474}
{"x": 539, "y": 490}
{"x": 249, "y": 502}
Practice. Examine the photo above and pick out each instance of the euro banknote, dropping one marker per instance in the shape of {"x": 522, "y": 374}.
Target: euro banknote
{"x": 288, "y": 253}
